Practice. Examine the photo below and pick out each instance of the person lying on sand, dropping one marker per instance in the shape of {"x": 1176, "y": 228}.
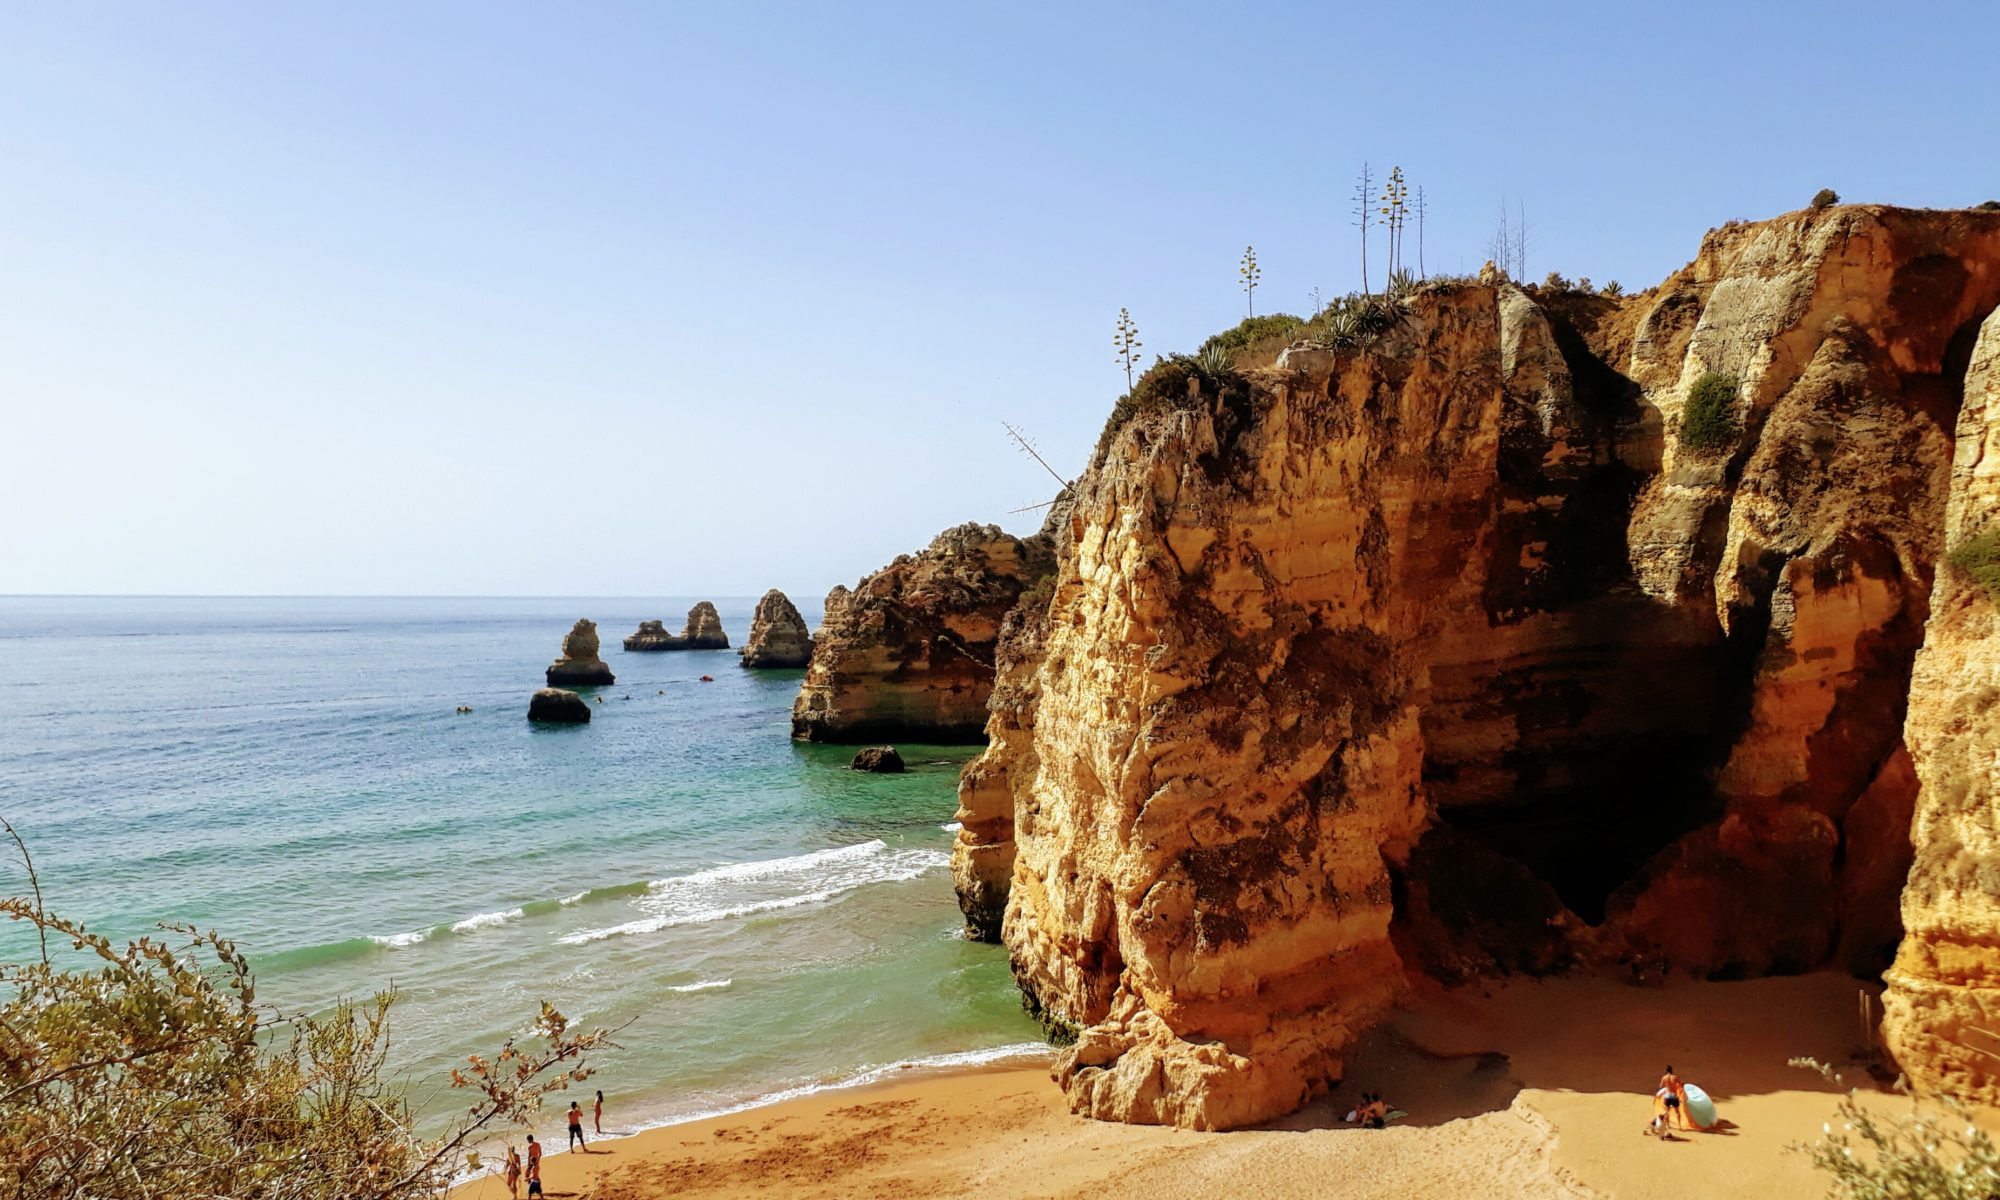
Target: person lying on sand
{"x": 1372, "y": 1112}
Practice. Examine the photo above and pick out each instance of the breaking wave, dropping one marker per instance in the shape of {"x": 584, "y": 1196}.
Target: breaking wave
{"x": 771, "y": 885}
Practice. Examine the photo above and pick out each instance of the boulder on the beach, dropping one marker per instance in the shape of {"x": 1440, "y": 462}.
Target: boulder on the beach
{"x": 882, "y": 760}
{"x": 555, "y": 706}
{"x": 778, "y": 635}
{"x": 702, "y": 632}
{"x": 579, "y": 665}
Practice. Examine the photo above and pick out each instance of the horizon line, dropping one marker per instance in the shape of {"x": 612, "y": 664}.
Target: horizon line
{"x": 359, "y": 596}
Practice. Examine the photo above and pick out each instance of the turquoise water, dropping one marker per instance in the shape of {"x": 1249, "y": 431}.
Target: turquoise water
{"x": 292, "y": 772}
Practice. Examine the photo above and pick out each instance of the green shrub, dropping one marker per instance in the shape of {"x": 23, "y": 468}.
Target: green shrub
{"x": 1035, "y": 600}
{"x": 1988, "y": 206}
{"x": 1708, "y": 419}
{"x": 1935, "y": 1152}
{"x": 1825, "y": 198}
{"x": 1979, "y": 557}
{"x": 136, "y": 1069}
{"x": 1252, "y": 330}
{"x": 1165, "y": 383}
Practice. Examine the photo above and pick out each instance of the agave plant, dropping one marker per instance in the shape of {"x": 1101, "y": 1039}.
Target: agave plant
{"x": 1215, "y": 362}
{"x": 1343, "y": 325}
{"x": 1401, "y": 284}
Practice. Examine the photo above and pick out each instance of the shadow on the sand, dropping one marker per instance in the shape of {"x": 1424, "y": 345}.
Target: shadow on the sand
{"x": 1437, "y": 1061}
{"x": 1432, "y": 1087}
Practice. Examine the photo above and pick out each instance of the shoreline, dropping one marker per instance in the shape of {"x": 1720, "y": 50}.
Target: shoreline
{"x": 1028, "y": 1057}
{"x": 1518, "y": 1089}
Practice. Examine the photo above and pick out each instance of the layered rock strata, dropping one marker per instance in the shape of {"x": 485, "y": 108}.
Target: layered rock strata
{"x": 1942, "y": 1009}
{"x": 579, "y": 665}
{"x": 907, "y": 654}
{"x": 778, "y": 636}
{"x": 1449, "y": 653}
{"x": 703, "y": 631}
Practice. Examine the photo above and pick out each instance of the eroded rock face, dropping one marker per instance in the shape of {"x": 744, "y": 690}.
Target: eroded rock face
{"x": 993, "y": 786}
{"x": 702, "y": 632}
{"x": 908, "y": 653}
{"x": 1815, "y": 539}
{"x": 1226, "y": 752}
{"x": 1456, "y": 620}
{"x": 579, "y": 665}
{"x": 1944, "y": 990}
{"x": 778, "y": 636}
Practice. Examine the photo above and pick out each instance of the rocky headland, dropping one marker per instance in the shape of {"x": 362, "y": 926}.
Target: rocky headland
{"x": 703, "y": 631}
{"x": 907, "y": 654}
{"x": 778, "y": 635}
{"x": 579, "y": 665}
{"x": 1532, "y": 628}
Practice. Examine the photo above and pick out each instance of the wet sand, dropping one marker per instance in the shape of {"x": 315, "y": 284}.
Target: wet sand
{"x": 1528, "y": 1089}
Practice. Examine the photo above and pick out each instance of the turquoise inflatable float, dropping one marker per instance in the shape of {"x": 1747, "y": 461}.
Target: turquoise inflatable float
{"x": 1700, "y": 1109}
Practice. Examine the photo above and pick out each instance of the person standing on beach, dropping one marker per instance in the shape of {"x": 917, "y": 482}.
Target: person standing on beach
{"x": 1670, "y": 1085}
{"x": 576, "y": 1126}
{"x": 513, "y": 1173}
{"x": 597, "y": 1115}
{"x": 534, "y": 1166}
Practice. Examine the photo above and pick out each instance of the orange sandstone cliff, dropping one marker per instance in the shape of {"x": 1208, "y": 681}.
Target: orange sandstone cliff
{"x": 1442, "y": 652}
{"x": 1943, "y": 1004}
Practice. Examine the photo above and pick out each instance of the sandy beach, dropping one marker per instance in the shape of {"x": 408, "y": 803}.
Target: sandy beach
{"x": 1527, "y": 1089}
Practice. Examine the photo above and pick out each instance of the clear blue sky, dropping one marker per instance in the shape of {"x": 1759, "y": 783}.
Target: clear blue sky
{"x": 669, "y": 299}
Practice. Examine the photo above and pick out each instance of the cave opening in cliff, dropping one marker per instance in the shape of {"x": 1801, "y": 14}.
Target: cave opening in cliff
{"x": 1585, "y": 843}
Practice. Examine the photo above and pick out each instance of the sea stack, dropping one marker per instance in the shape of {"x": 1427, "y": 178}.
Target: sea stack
{"x": 907, "y": 655}
{"x": 703, "y": 632}
{"x": 579, "y": 665}
{"x": 554, "y": 706}
{"x": 778, "y": 636}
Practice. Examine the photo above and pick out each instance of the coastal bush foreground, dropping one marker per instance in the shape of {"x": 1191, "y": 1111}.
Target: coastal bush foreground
{"x": 151, "y": 1069}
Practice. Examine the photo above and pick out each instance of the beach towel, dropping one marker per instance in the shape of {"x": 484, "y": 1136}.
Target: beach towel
{"x": 1700, "y": 1109}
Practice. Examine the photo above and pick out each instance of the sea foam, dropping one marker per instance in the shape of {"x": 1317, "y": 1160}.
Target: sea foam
{"x": 769, "y": 885}
{"x": 487, "y": 919}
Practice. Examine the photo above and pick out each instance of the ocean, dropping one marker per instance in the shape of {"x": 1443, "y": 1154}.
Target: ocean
{"x": 760, "y": 920}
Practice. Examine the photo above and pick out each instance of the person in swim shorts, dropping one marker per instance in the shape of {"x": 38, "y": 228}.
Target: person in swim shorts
{"x": 1676, "y": 1099}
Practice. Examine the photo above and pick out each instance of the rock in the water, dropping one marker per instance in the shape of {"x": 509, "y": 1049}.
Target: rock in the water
{"x": 908, "y": 653}
{"x": 778, "y": 636}
{"x": 702, "y": 632}
{"x": 882, "y": 760}
{"x": 579, "y": 665}
{"x": 554, "y": 706}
